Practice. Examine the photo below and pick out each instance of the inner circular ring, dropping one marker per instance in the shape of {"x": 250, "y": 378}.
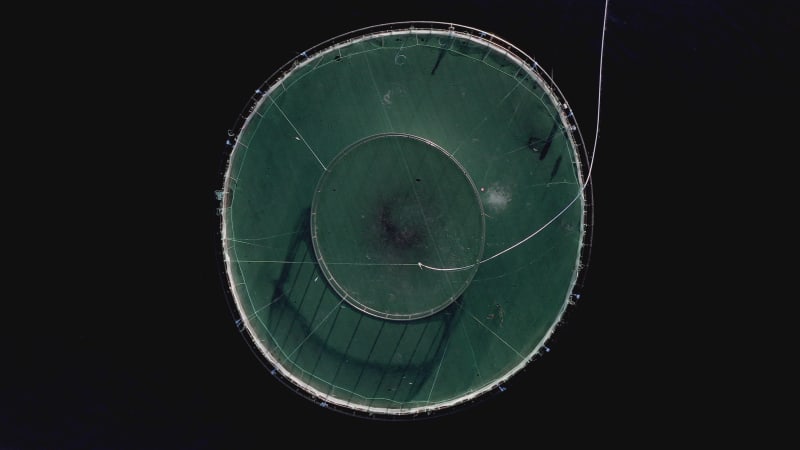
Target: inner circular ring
{"x": 385, "y": 204}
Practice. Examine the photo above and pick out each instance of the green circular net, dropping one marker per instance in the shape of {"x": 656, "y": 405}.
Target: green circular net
{"x": 400, "y": 226}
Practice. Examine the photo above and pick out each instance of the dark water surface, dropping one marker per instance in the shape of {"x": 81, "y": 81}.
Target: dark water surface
{"x": 139, "y": 350}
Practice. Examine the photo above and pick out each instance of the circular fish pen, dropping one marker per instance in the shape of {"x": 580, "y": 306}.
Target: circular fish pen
{"x": 404, "y": 217}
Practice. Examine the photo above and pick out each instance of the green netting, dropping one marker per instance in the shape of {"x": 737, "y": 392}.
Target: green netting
{"x": 388, "y": 200}
{"x": 372, "y": 156}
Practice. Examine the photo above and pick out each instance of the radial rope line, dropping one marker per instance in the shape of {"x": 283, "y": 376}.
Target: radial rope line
{"x": 277, "y": 261}
{"x": 299, "y": 135}
{"x": 315, "y": 328}
{"x": 274, "y": 300}
{"x": 471, "y": 348}
{"x": 583, "y": 186}
{"x": 248, "y": 240}
{"x": 495, "y": 335}
{"x": 244, "y": 156}
{"x": 438, "y": 368}
{"x": 463, "y": 308}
